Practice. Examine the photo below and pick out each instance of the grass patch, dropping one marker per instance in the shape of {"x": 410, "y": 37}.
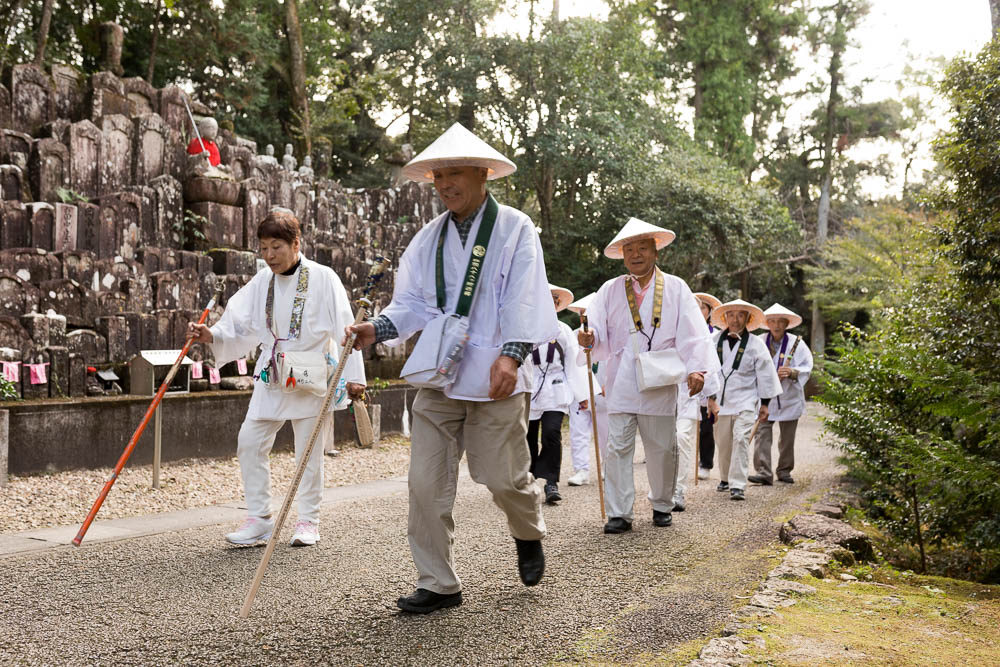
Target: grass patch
{"x": 888, "y": 618}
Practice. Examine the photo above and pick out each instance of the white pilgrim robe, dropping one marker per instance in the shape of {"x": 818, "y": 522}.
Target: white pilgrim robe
{"x": 792, "y": 402}
{"x": 561, "y": 383}
{"x": 243, "y": 327}
{"x": 681, "y": 325}
{"x": 755, "y": 378}
{"x": 512, "y": 302}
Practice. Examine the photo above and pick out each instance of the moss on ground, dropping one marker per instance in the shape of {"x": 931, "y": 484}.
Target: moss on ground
{"x": 892, "y": 619}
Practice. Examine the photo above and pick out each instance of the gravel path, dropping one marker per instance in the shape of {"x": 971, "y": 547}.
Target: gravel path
{"x": 631, "y": 598}
{"x": 64, "y": 498}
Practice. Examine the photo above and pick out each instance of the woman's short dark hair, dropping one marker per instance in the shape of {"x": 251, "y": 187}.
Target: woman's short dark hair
{"x": 279, "y": 224}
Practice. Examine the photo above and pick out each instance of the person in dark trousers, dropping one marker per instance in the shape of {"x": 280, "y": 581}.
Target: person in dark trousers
{"x": 559, "y": 384}
{"x": 706, "y": 437}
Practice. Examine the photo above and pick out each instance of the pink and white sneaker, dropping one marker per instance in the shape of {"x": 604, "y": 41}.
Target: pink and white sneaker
{"x": 306, "y": 534}
{"x": 252, "y": 530}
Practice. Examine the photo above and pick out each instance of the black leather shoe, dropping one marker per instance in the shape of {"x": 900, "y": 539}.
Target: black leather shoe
{"x": 736, "y": 494}
{"x": 679, "y": 506}
{"x": 759, "y": 479}
{"x": 662, "y": 519}
{"x": 616, "y": 525}
{"x": 552, "y": 494}
{"x": 786, "y": 480}
{"x": 723, "y": 486}
{"x": 424, "y": 601}
{"x": 530, "y": 561}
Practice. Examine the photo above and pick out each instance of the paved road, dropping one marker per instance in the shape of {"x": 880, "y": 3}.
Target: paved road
{"x": 174, "y": 597}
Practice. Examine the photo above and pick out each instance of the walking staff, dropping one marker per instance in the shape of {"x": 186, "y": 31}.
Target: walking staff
{"x": 150, "y": 411}
{"x": 593, "y": 416}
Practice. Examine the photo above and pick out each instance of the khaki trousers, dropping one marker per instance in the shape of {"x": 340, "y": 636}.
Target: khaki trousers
{"x": 786, "y": 449}
{"x": 732, "y": 442}
{"x": 492, "y": 434}
{"x": 659, "y": 440}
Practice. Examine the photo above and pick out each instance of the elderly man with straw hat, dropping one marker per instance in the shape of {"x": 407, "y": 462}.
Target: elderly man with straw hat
{"x": 647, "y": 326}
{"x": 706, "y": 430}
{"x": 469, "y": 281}
{"x": 559, "y": 384}
{"x": 747, "y": 379}
{"x": 794, "y": 363}
{"x": 581, "y": 421}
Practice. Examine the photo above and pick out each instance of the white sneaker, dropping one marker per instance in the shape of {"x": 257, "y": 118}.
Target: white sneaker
{"x": 703, "y": 473}
{"x": 253, "y": 530}
{"x": 306, "y": 534}
{"x": 580, "y": 478}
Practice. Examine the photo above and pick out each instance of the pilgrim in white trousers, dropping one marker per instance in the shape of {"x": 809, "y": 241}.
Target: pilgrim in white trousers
{"x": 652, "y": 412}
{"x": 688, "y": 422}
{"x": 740, "y": 392}
{"x": 317, "y": 327}
{"x": 581, "y": 426}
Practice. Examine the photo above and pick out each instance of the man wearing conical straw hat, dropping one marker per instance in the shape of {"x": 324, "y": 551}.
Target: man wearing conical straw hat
{"x": 469, "y": 281}
{"x": 581, "y": 422}
{"x": 559, "y": 384}
{"x": 647, "y": 326}
{"x": 794, "y": 363}
{"x": 706, "y": 427}
{"x": 747, "y": 380}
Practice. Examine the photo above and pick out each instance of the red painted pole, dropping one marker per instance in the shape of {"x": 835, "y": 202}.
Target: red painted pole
{"x": 142, "y": 425}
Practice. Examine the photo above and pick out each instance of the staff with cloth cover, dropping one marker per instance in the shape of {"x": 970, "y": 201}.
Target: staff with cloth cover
{"x": 471, "y": 282}
{"x": 747, "y": 378}
{"x": 581, "y": 422}
{"x": 559, "y": 384}
{"x": 647, "y": 326}
{"x": 294, "y": 310}
{"x": 794, "y": 363}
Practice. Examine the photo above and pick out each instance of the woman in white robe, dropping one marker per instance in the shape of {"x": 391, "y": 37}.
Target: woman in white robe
{"x": 295, "y": 305}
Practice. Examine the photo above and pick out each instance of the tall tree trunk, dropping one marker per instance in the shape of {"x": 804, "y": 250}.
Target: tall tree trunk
{"x": 152, "y": 46}
{"x": 995, "y": 15}
{"x": 43, "y": 31}
{"x": 300, "y": 97}
{"x": 555, "y": 10}
{"x": 838, "y": 45}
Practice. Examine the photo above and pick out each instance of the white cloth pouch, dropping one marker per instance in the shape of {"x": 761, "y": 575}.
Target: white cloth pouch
{"x": 437, "y": 355}
{"x": 303, "y": 371}
{"x": 657, "y": 368}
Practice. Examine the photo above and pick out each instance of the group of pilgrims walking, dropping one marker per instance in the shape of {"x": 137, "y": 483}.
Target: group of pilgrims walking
{"x": 497, "y": 372}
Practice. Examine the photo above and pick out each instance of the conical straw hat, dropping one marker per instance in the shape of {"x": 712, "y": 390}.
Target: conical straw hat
{"x": 712, "y": 302}
{"x": 756, "y": 320}
{"x": 580, "y": 305}
{"x": 635, "y": 230}
{"x": 457, "y": 147}
{"x": 777, "y": 310}
{"x": 563, "y": 296}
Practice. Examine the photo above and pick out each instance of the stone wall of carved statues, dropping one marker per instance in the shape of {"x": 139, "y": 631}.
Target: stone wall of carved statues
{"x": 105, "y": 252}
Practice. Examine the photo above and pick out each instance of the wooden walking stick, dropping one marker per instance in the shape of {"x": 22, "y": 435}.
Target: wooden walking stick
{"x": 150, "y": 411}
{"x": 363, "y": 305}
{"x": 593, "y": 419}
